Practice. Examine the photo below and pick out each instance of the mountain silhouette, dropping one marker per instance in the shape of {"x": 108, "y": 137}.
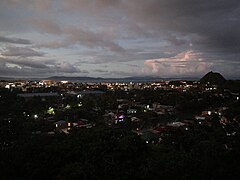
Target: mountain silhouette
{"x": 214, "y": 78}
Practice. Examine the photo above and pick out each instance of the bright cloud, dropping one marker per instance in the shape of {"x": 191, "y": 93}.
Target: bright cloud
{"x": 185, "y": 63}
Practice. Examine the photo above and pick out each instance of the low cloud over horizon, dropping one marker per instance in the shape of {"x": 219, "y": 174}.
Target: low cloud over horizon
{"x": 119, "y": 38}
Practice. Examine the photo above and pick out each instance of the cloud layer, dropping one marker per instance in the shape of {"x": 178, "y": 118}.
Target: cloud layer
{"x": 119, "y": 38}
{"x": 14, "y": 40}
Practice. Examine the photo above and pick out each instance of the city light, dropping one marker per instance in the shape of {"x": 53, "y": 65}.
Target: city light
{"x": 51, "y": 111}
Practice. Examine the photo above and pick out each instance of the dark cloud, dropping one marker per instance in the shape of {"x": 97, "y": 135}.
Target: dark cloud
{"x": 21, "y": 52}
{"x": 75, "y": 36}
{"x": 91, "y": 39}
{"x": 132, "y": 65}
{"x": 14, "y": 40}
{"x": 25, "y": 63}
{"x": 209, "y": 24}
{"x": 65, "y": 67}
{"x": 100, "y": 70}
{"x": 214, "y": 23}
{"x": 177, "y": 41}
{"x": 30, "y": 67}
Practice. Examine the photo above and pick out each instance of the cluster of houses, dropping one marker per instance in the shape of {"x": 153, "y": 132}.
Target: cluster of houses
{"x": 129, "y": 110}
{"x": 206, "y": 118}
{"x": 66, "y": 126}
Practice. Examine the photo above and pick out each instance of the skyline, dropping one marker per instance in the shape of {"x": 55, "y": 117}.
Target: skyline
{"x": 119, "y": 38}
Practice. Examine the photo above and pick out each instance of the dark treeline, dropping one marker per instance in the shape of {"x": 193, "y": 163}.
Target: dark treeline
{"x": 118, "y": 154}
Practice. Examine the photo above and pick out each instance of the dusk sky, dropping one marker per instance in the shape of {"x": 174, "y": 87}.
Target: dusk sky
{"x": 119, "y": 38}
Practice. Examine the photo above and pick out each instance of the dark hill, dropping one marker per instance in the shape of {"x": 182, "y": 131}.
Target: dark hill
{"x": 213, "y": 78}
